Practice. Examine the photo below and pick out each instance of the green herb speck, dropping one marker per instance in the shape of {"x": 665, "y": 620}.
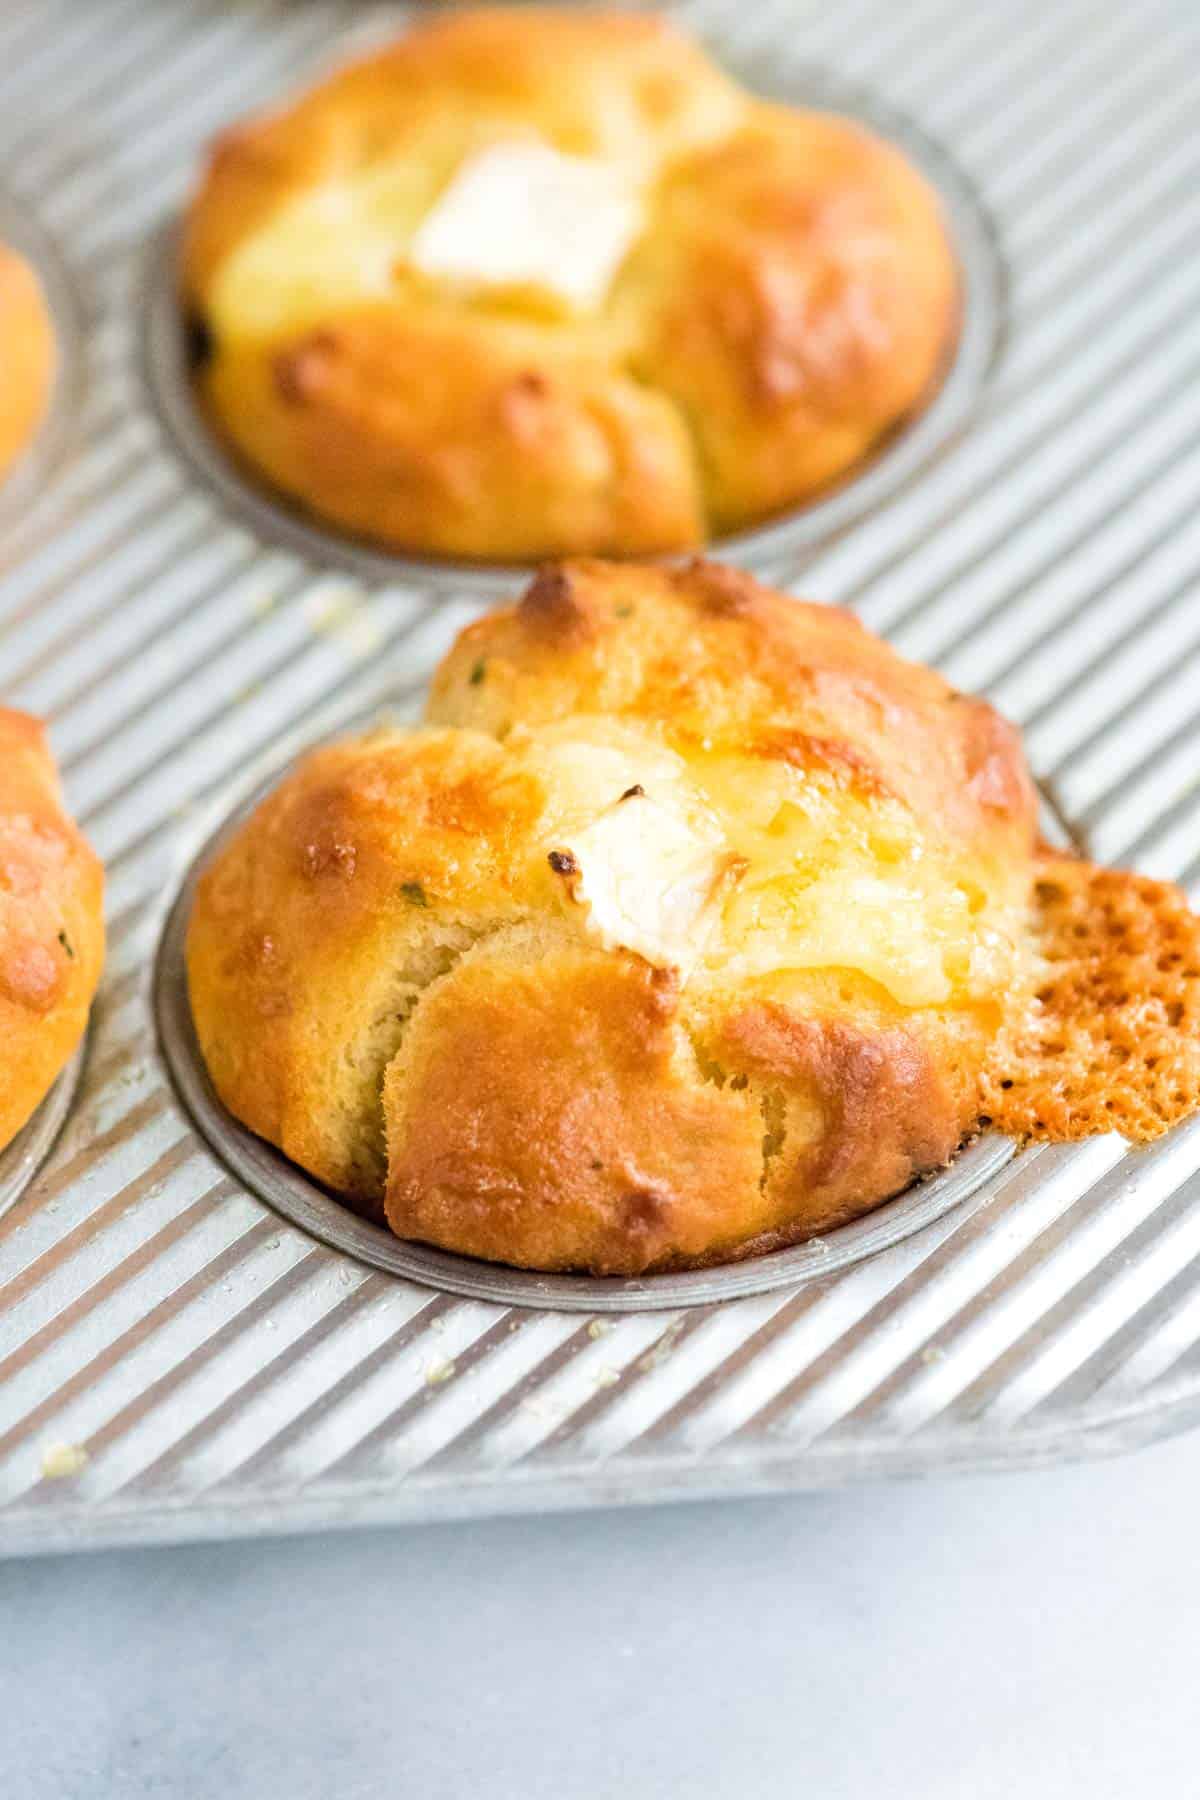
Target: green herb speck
{"x": 65, "y": 941}
{"x": 478, "y": 673}
{"x": 414, "y": 893}
{"x": 623, "y": 612}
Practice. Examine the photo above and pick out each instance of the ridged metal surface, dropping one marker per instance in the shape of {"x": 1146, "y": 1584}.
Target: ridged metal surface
{"x": 224, "y": 1371}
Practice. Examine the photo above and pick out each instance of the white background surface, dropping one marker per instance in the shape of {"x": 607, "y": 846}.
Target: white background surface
{"x": 1012, "y": 1636}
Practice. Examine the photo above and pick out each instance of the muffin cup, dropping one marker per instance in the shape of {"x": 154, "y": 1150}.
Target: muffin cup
{"x": 298, "y": 1197}
{"x": 903, "y": 454}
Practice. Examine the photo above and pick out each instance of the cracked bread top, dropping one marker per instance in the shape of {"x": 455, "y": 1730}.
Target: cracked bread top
{"x": 788, "y": 296}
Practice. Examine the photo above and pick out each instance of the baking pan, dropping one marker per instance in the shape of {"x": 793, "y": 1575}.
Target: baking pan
{"x": 180, "y": 1358}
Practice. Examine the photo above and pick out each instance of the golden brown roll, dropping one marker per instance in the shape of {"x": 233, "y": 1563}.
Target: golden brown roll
{"x": 27, "y": 356}
{"x": 682, "y": 928}
{"x": 51, "y": 924}
{"x": 537, "y": 282}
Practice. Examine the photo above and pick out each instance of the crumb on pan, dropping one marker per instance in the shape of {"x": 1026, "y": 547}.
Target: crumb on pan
{"x": 341, "y": 615}
{"x": 60, "y": 1461}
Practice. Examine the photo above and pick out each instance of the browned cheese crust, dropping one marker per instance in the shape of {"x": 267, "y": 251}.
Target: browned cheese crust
{"x": 51, "y": 924}
{"x": 403, "y": 971}
{"x": 791, "y": 297}
{"x": 27, "y": 356}
{"x": 1109, "y": 1037}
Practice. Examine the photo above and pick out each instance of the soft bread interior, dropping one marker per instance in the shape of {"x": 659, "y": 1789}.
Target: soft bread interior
{"x": 355, "y": 1126}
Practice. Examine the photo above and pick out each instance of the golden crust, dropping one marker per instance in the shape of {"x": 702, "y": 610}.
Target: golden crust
{"x": 395, "y": 918}
{"x": 51, "y": 924}
{"x": 440, "y": 433}
{"x": 311, "y": 932}
{"x": 803, "y": 302}
{"x": 544, "y": 1111}
{"x": 27, "y": 356}
{"x": 566, "y": 1111}
{"x": 792, "y": 297}
{"x": 892, "y": 1097}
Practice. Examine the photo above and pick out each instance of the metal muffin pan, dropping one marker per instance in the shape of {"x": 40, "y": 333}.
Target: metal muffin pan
{"x": 225, "y": 1370}
{"x": 905, "y": 452}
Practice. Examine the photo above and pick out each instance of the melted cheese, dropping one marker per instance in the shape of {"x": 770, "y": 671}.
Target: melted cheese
{"x": 747, "y": 867}
{"x": 650, "y": 880}
{"x": 525, "y": 216}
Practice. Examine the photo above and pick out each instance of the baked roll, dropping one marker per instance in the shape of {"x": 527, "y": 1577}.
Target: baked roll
{"x": 27, "y": 357}
{"x": 693, "y": 921}
{"x": 51, "y": 924}
{"x": 536, "y": 282}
